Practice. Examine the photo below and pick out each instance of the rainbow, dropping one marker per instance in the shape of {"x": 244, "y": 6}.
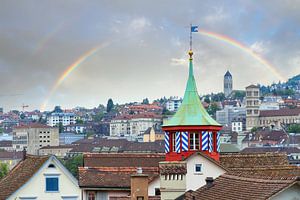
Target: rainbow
{"x": 70, "y": 69}
{"x": 244, "y": 48}
{"x": 94, "y": 50}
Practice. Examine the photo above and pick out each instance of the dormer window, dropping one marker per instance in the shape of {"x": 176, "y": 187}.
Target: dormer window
{"x": 51, "y": 166}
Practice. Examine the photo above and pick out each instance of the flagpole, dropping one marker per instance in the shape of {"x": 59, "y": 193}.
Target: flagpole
{"x": 191, "y": 38}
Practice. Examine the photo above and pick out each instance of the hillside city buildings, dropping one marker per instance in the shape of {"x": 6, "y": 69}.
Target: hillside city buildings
{"x": 130, "y": 152}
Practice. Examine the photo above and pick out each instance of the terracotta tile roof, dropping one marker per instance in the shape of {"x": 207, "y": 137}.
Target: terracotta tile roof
{"x": 123, "y": 159}
{"x": 58, "y": 147}
{"x": 20, "y": 174}
{"x": 128, "y": 198}
{"x": 6, "y": 143}
{"x": 98, "y": 145}
{"x": 33, "y": 125}
{"x": 288, "y": 150}
{"x": 172, "y": 168}
{"x": 271, "y": 172}
{"x": 280, "y": 112}
{"x": 7, "y": 155}
{"x": 253, "y": 160}
{"x": 111, "y": 177}
{"x": 231, "y": 187}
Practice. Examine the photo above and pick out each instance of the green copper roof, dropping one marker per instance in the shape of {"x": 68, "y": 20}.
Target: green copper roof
{"x": 191, "y": 112}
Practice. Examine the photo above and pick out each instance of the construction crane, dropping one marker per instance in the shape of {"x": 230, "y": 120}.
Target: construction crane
{"x": 24, "y": 106}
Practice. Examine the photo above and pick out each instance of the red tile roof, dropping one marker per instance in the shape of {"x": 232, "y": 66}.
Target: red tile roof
{"x": 280, "y": 112}
{"x": 123, "y": 159}
{"x": 236, "y": 161}
{"x": 114, "y": 169}
{"x": 33, "y": 125}
{"x": 172, "y": 168}
{"x": 230, "y": 187}
{"x": 20, "y": 174}
{"x": 7, "y": 155}
{"x": 111, "y": 177}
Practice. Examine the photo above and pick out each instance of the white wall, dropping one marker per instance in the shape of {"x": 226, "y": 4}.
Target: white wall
{"x": 292, "y": 193}
{"x": 209, "y": 169}
{"x": 36, "y": 186}
{"x": 154, "y": 184}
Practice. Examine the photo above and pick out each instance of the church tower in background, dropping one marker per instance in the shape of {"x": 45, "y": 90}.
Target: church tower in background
{"x": 227, "y": 83}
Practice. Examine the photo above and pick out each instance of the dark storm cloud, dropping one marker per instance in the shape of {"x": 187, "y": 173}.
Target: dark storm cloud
{"x": 146, "y": 55}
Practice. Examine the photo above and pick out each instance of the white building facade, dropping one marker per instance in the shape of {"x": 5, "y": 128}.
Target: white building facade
{"x": 173, "y": 104}
{"x": 64, "y": 118}
{"x": 134, "y": 125}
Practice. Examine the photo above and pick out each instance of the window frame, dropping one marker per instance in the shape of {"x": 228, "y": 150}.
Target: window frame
{"x": 47, "y": 189}
{"x": 201, "y": 168}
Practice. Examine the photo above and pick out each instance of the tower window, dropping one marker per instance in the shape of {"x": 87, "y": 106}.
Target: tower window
{"x": 194, "y": 141}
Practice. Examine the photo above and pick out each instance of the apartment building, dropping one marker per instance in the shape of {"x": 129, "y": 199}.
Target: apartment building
{"x": 133, "y": 125}
{"x": 64, "y": 118}
{"x": 33, "y": 137}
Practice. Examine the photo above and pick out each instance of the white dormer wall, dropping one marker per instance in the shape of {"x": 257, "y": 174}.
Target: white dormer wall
{"x": 35, "y": 187}
{"x": 195, "y": 180}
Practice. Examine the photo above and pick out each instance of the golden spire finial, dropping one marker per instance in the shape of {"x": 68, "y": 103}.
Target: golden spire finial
{"x": 191, "y": 54}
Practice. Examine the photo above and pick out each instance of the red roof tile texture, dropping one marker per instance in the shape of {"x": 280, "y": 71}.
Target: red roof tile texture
{"x": 280, "y": 112}
{"x": 111, "y": 177}
{"x": 231, "y": 161}
{"x": 231, "y": 187}
{"x": 123, "y": 159}
{"x": 113, "y": 170}
{"x": 33, "y": 125}
{"x": 20, "y": 174}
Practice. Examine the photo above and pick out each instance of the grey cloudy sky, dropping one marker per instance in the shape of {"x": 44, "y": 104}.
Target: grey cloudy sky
{"x": 144, "y": 45}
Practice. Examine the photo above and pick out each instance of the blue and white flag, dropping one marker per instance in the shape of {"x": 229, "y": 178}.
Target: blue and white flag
{"x": 204, "y": 140}
{"x": 194, "y": 29}
{"x": 167, "y": 143}
{"x": 177, "y": 142}
{"x": 185, "y": 139}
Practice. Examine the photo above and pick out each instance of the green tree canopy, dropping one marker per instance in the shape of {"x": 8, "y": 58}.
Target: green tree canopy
{"x": 145, "y": 101}
{"x": 110, "y": 105}
{"x": 3, "y": 170}
{"x": 294, "y": 128}
{"x": 73, "y": 163}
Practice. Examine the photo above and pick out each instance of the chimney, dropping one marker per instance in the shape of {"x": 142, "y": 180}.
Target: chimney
{"x": 209, "y": 181}
{"x": 139, "y": 185}
{"x": 24, "y": 153}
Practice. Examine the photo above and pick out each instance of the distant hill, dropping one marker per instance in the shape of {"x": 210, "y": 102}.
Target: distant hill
{"x": 289, "y": 88}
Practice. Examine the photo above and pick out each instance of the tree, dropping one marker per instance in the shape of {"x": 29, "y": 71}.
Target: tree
{"x": 73, "y": 163}
{"x": 294, "y": 128}
{"x": 110, "y": 105}
{"x": 254, "y": 129}
{"x": 239, "y": 95}
{"x": 212, "y": 109}
{"x": 145, "y": 101}
{"x": 206, "y": 99}
{"x": 3, "y": 170}
{"x": 57, "y": 109}
{"x": 60, "y": 127}
{"x": 98, "y": 116}
{"x": 79, "y": 121}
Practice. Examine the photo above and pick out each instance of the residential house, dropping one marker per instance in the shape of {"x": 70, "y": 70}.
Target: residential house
{"x": 39, "y": 177}
{"x": 153, "y": 134}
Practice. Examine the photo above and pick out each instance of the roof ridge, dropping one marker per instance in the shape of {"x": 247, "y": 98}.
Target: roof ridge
{"x": 257, "y": 180}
